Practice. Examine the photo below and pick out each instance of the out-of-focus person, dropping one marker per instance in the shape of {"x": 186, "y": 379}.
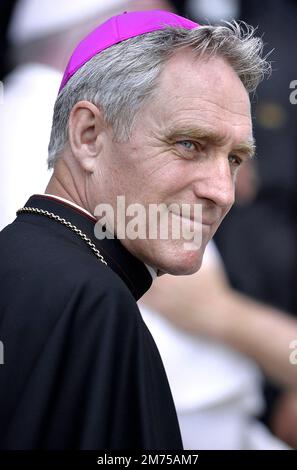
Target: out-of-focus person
{"x": 42, "y": 36}
{"x": 215, "y": 343}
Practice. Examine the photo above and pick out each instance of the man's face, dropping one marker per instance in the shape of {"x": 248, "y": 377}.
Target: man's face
{"x": 186, "y": 145}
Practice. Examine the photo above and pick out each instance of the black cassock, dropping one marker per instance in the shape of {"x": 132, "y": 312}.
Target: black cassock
{"x": 81, "y": 370}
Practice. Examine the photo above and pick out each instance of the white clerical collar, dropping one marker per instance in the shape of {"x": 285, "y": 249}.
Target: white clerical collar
{"x": 70, "y": 203}
{"x": 151, "y": 270}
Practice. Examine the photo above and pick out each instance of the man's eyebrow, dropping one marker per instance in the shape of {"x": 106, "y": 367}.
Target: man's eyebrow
{"x": 247, "y": 147}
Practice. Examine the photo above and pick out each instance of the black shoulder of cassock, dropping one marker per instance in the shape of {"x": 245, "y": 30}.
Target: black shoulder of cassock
{"x": 81, "y": 370}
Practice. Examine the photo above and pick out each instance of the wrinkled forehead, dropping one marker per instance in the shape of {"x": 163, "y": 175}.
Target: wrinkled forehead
{"x": 186, "y": 69}
{"x": 206, "y": 83}
{"x": 201, "y": 99}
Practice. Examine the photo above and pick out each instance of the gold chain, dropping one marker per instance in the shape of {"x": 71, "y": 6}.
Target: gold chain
{"x": 35, "y": 210}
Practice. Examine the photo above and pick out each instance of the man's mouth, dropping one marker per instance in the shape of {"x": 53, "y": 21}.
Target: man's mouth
{"x": 196, "y": 219}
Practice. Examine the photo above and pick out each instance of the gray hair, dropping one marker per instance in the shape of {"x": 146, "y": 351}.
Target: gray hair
{"x": 122, "y": 77}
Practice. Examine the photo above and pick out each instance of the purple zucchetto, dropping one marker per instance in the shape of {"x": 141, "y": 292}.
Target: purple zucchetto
{"x": 119, "y": 28}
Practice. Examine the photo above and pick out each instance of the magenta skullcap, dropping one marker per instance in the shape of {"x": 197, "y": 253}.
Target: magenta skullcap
{"x": 118, "y": 29}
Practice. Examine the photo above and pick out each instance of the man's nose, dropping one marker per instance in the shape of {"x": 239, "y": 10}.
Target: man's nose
{"x": 217, "y": 183}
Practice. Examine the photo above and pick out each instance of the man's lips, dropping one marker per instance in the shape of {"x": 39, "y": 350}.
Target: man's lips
{"x": 208, "y": 221}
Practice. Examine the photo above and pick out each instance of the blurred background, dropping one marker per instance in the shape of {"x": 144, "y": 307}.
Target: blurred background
{"x": 258, "y": 240}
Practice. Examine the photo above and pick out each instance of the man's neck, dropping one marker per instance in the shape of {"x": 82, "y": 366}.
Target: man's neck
{"x": 63, "y": 185}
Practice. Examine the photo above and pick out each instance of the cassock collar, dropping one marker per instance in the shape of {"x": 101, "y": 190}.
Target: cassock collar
{"x": 132, "y": 271}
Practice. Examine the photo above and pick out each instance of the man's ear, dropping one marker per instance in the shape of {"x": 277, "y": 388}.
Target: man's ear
{"x": 85, "y": 128}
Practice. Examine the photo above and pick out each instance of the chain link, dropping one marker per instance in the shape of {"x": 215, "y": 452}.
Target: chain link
{"x": 51, "y": 215}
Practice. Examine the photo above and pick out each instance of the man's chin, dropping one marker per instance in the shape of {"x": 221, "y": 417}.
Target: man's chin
{"x": 183, "y": 264}
{"x": 166, "y": 257}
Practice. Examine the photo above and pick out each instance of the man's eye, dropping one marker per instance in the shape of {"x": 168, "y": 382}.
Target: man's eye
{"x": 187, "y": 144}
{"x": 234, "y": 160}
